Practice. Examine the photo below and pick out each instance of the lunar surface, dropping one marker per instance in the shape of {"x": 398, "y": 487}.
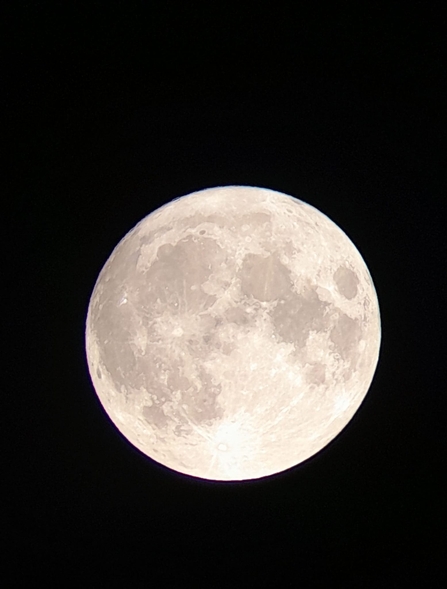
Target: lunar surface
{"x": 233, "y": 333}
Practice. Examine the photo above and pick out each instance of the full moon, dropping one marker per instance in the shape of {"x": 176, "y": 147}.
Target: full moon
{"x": 233, "y": 333}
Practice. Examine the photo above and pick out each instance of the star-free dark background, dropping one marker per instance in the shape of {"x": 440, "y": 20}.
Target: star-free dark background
{"x": 112, "y": 109}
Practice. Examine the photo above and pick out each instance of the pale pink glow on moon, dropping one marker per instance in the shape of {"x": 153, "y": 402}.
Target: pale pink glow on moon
{"x": 233, "y": 333}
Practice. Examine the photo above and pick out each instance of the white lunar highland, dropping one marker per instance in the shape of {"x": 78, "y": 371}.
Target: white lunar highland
{"x": 233, "y": 333}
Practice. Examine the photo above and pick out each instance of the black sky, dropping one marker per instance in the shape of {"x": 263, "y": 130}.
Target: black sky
{"x": 112, "y": 109}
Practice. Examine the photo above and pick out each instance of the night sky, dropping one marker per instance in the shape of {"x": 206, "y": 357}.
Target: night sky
{"x": 111, "y": 110}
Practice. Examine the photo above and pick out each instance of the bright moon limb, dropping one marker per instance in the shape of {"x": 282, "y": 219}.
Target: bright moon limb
{"x": 233, "y": 333}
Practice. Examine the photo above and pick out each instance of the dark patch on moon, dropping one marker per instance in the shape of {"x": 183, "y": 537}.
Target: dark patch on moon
{"x": 296, "y": 315}
{"x": 202, "y": 406}
{"x": 237, "y": 315}
{"x": 316, "y": 374}
{"x": 199, "y": 218}
{"x": 117, "y": 355}
{"x": 346, "y": 282}
{"x": 165, "y": 251}
{"x": 264, "y": 278}
{"x": 176, "y": 381}
{"x": 154, "y": 415}
{"x": 346, "y": 335}
{"x": 197, "y": 401}
{"x": 255, "y": 219}
{"x": 172, "y": 282}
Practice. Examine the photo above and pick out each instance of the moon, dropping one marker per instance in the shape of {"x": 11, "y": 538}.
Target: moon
{"x": 233, "y": 333}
